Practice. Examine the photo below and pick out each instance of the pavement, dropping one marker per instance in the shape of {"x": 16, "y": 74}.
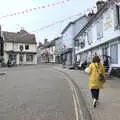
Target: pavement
{"x": 109, "y": 107}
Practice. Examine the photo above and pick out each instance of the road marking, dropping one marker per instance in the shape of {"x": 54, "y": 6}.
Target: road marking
{"x": 75, "y": 106}
{"x": 77, "y": 100}
{"x": 74, "y": 96}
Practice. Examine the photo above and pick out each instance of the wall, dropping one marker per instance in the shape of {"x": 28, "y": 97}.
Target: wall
{"x": 79, "y": 25}
{"x": 58, "y": 46}
{"x": 109, "y": 31}
{"x": 67, "y": 38}
{"x": 8, "y": 46}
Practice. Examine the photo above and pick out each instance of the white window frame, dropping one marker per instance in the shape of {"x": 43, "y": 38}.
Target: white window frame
{"x": 100, "y": 28}
{"x": 114, "y": 43}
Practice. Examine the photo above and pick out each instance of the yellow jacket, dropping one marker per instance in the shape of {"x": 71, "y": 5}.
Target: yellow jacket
{"x": 94, "y": 82}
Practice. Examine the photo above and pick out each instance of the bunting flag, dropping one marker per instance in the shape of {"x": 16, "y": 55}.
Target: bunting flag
{"x": 43, "y": 7}
{"x": 36, "y": 8}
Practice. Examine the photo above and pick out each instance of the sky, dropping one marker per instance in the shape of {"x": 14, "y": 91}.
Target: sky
{"x": 33, "y": 21}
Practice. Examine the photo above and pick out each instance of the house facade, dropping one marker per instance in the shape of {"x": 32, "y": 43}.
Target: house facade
{"x": 39, "y": 53}
{"x": 69, "y": 32}
{"x": 20, "y": 47}
{"x": 51, "y": 48}
{"x": 101, "y": 35}
{"x": 58, "y": 50}
{"x": 48, "y": 52}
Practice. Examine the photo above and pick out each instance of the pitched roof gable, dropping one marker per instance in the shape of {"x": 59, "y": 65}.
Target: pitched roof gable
{"x": 19, "y": 37}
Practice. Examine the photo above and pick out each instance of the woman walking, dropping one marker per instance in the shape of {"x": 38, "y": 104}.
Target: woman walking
{"x": 96, "y": 79}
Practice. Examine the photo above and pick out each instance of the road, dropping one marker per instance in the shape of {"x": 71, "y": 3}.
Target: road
{"x": 35, "y": 93}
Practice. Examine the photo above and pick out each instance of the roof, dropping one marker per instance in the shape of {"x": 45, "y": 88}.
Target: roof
{"x": 19, "y": 37}
{"x": 73, "y": 22}
{"x": 40, "y": 45}
{"x": 66, "y": 27}
{"x": 93, "y": 18}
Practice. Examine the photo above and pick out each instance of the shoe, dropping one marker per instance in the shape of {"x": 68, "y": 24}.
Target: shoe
{"x": 94, "y": 102}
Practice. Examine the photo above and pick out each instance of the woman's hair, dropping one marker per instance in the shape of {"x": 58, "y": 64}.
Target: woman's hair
{"x": 96, "y": 59}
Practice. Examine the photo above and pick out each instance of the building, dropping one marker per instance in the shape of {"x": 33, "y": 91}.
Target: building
{"x": 39, "y": 53}
{"x": 19, "y": 47}
{"x": 101, "y": 35}
{"x": 58, "y": 50}
{"x": 45, "y": 51}
{"x": 1, "y": 47}
{"x": 68, "y": 33}
{"x": 51, "y": 50}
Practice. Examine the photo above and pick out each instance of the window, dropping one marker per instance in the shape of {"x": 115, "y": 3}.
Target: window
{"x": 99, "y": 29}
{"x": 82, "y": 42}
{"x": 118, "y": 15}
{"x": 76, "y": 43}
{"x": 26, "y": 47}
{"x": 114, "y": 53}
{"x": 29, "y": 57}
{"x": 89, "y": 36}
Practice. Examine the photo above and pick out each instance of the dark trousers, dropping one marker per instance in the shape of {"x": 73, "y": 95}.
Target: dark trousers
{"x": 95, "y": 93}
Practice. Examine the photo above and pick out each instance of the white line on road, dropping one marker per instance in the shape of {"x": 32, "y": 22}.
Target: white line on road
{"x": 75, "y": 97}
{"x": 77, "y": 100}
{"x": 75, "y": 106}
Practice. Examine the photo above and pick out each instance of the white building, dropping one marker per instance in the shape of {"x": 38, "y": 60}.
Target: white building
{"x": 20, "y": 47}
{"x": 101, "y": 35}
{"x": 40, "y": 53}
{"x": 58, "y": 50}
{"x": 52, "y": 51}
{"x": 68, "y": 33}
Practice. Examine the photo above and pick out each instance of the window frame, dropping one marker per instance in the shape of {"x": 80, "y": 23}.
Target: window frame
{"x": 28, "y": 59}
{"x": 99, "y": 28}
{"x": 27, "y": 47}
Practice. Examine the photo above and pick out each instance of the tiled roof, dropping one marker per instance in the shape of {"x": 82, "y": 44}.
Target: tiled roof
{"x": 20, "y": 37}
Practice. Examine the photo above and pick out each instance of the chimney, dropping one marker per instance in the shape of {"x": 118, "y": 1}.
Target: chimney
{"x": 91, "y": 14}
{"x": 99, "y": 4}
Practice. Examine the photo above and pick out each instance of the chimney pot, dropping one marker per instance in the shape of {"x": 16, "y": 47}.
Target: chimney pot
{"x": 99, "y": 4}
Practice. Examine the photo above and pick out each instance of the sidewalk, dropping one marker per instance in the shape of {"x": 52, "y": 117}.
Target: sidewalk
{"x": 109, "y": 108}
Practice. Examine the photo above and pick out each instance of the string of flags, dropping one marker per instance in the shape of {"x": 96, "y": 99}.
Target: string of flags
{"x": 36, "y": 8}
{"x": 54, "y": 23}
{"x": 51, "y": 5}
{"x": 70, "y": 17}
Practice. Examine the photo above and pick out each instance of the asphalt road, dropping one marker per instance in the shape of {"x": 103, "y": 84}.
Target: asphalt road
{"x": 35, "y": 93}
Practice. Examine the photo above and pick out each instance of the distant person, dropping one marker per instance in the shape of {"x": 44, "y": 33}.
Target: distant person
{"x": 96, "y": 78}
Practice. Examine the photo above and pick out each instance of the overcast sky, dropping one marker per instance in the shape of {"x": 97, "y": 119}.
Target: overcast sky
{"x": 36, "y": 19}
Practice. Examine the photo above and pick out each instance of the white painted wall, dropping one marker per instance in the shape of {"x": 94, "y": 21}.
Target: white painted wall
{"x": 5, "y": 57}
{"x": 67, "y": 38}
{"x": 15, "y": 46}
{"x": 8, "y": 46}
{"x": 109, "y": 31}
